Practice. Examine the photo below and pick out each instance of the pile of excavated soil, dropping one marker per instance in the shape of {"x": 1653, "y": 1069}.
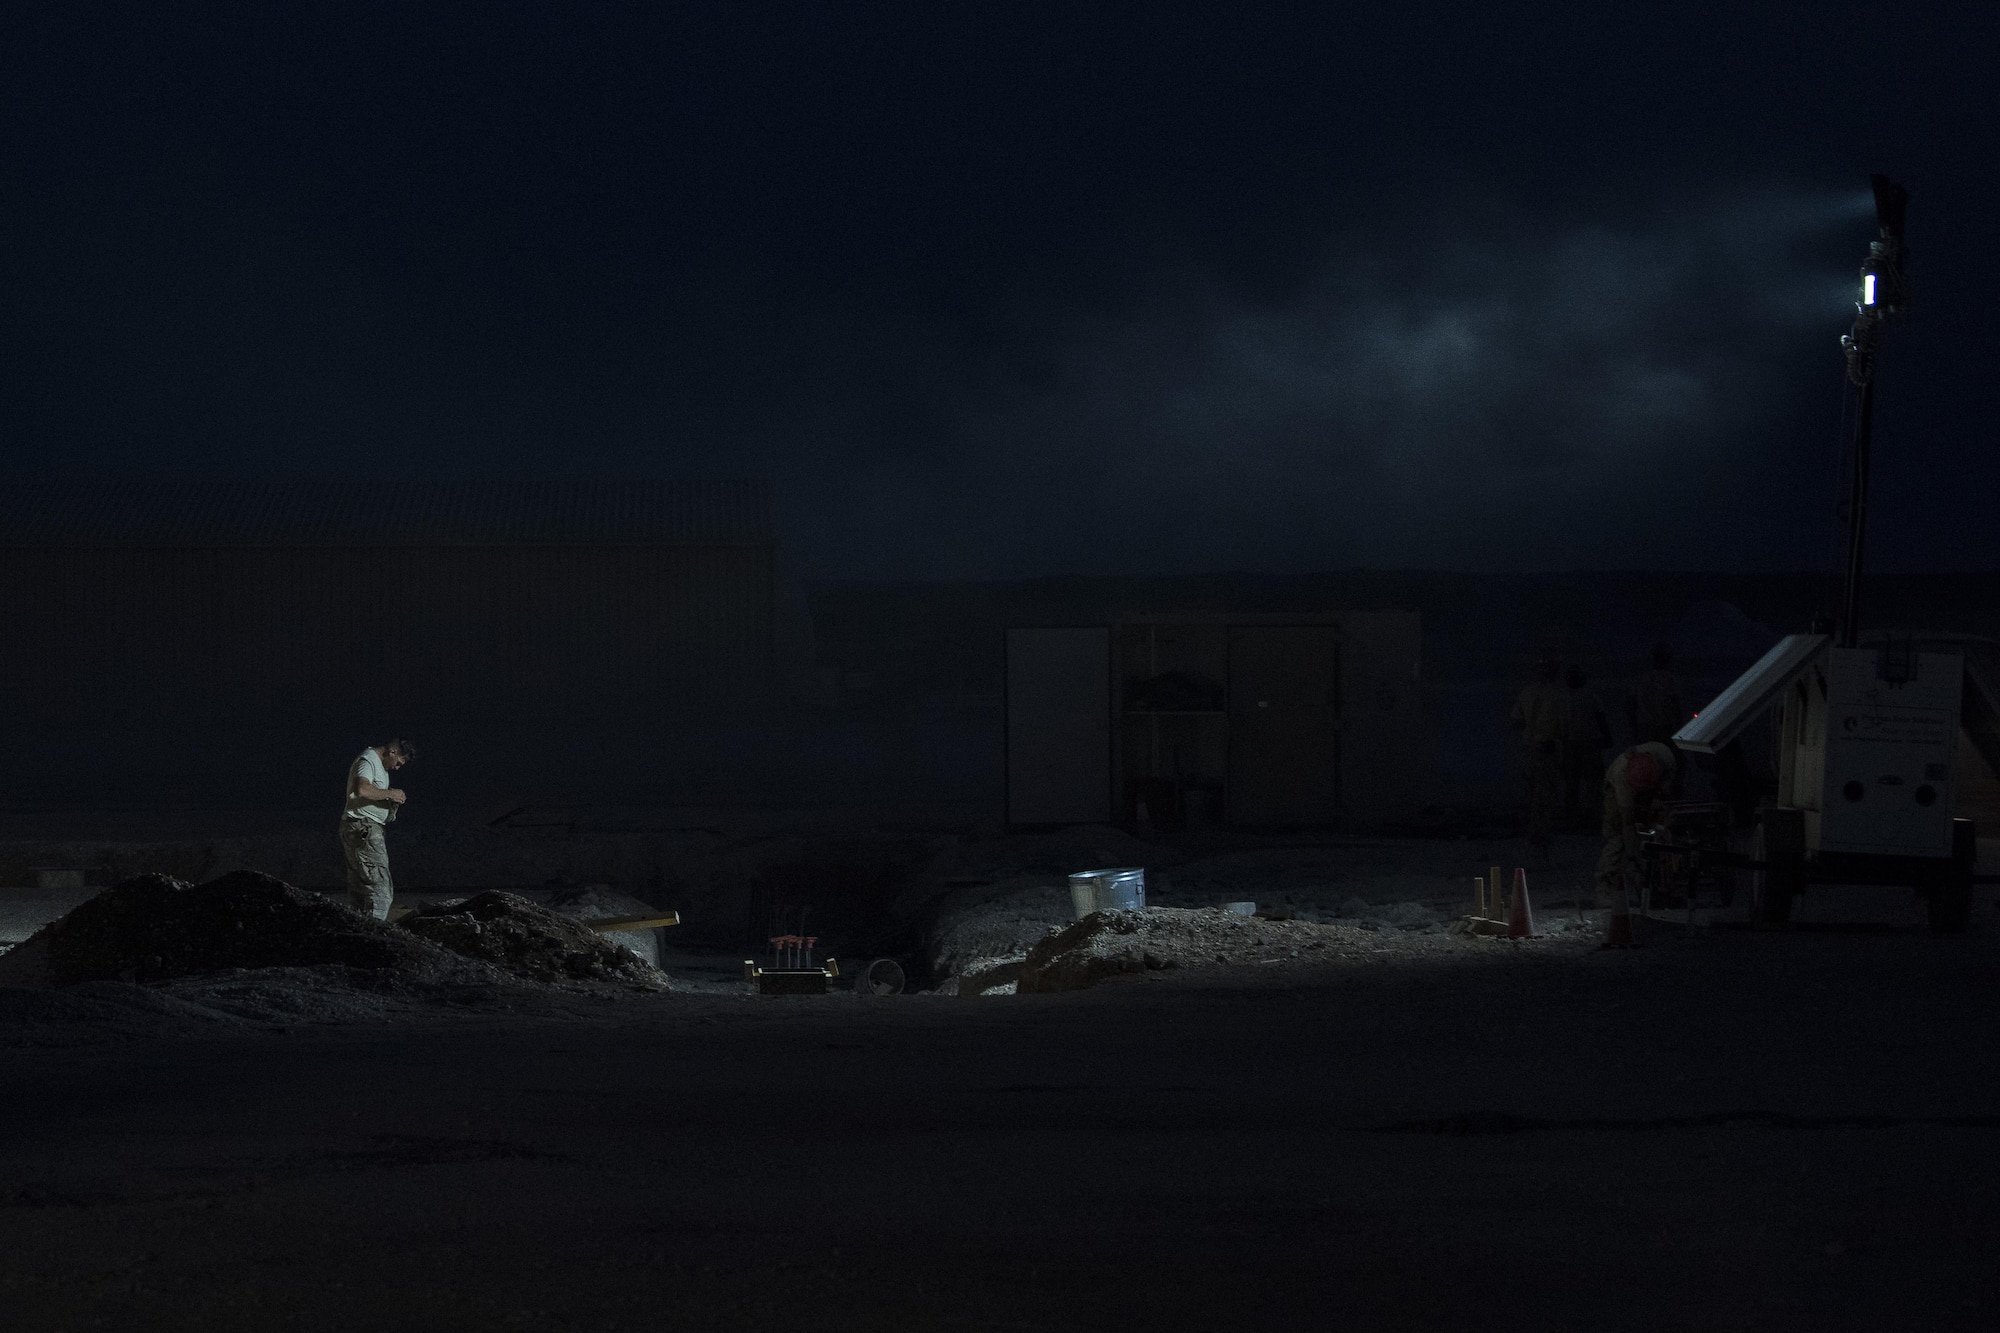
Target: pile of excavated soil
{"x": 1108, "y": 944}
{"x": 599, "y": 902}
{"x": 1154, "y": 939}
{"x": 102, "y": 1011}
{"x": 1384, "y": 896}
{"x": 240, "y": 999}
{"x": 978, "y": 936}
{"x": 328, "y": 994}
{"x": 248, "y": 941}
{"x": 529, "y": 940}
{"x": 155, "y": 928}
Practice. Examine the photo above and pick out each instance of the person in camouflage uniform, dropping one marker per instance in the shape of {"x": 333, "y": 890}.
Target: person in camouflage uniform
{"x": 1541, "y": 717}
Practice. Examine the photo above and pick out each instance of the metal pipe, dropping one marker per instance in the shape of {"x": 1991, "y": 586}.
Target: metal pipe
{"x": 1884, "y": 294}
{"x": 1857, "y": 519}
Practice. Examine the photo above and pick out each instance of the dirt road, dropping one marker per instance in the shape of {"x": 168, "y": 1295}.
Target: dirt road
{"x": 1745, "y": 1131}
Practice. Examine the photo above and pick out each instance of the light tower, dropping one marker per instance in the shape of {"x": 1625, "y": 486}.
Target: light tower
{"x": 1884, "y": 294}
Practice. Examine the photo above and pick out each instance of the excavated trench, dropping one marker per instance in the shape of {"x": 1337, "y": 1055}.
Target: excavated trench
{"x": 954, "y": 911}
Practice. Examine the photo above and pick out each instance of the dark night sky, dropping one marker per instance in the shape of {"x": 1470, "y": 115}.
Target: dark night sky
{"x": 1005, "y": 289}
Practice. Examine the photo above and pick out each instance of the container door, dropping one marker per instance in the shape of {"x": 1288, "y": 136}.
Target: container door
{"x": 1059, "y": 726}
{"x": 1284, "y": 724}
{"x": 1385, "y": 753}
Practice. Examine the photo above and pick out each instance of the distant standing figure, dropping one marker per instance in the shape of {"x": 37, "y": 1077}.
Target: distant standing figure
{"x": 1541, "y": 715}
{"x": 1655, "y": 709}
{"x": 1589, "y": 735}
{"x": 1635, "y": 785}
{"x": 371, "y": 804}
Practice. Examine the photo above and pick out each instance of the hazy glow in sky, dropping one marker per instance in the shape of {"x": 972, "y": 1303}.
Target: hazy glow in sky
{"x": 1442, "y": 400}
{"x": 993, "y": 290}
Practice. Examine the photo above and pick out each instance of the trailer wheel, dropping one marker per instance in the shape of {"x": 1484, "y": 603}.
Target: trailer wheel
{"x": 1950, "y": 899}
{"x": 1781, "y": 846}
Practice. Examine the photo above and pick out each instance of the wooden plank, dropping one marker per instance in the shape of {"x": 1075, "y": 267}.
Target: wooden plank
{"x": 645, "y": 922}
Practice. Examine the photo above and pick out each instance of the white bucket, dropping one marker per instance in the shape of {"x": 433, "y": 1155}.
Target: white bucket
{"x": 1107, "y": 890}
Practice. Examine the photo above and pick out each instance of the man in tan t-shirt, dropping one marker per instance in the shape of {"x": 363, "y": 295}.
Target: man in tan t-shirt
{"x": 371, "y": 803}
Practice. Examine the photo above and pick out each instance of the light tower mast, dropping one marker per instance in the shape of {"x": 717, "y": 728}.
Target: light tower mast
{"x": 1884, "y": 294}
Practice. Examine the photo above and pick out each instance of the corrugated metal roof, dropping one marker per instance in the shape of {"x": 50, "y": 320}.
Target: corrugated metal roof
{"x": 388, "y": 511}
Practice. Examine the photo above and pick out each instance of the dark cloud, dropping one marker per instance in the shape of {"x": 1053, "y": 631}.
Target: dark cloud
{"x": 1513, "y": 393}
{"x": 1008, "y": 289}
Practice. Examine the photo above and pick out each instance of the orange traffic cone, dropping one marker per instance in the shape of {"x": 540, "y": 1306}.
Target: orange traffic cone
{"x": 1520, "y": 912}
{"x": 1618, "y": 930}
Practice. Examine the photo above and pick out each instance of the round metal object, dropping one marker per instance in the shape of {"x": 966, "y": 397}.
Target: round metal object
{"x": 1123, "y": 889}
{"x": 884, "y": 976}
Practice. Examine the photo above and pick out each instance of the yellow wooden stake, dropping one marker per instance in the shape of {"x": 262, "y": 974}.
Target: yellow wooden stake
{"x": 634, "y": 922}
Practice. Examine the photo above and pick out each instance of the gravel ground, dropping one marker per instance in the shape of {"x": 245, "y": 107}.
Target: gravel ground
{"x": 1378, "y": 897}
{"x": 1785, "y": 1130}
{"x": 1160, "y": 939}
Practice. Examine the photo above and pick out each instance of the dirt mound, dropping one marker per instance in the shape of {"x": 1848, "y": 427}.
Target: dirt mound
{"x": 103, "y": 1011}
{"x": 974, "y": 931}
{"x": 597, "y": 902}
{"x": 155, "y": 928}
{"x": 1107, "y": 944}
{"x": 1103, "y": 944}
{"x": 529, "y": 940}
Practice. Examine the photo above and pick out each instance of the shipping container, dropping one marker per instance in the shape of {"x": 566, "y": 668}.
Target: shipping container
{"x": 151, "y": 632}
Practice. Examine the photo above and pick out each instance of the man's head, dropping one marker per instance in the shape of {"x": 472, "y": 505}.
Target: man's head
{"x": 395, "y": 753}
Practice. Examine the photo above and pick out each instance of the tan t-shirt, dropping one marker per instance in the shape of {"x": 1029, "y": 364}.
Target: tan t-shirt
{"x": 367, "y": 767}
{"x": 1618, "y": 792}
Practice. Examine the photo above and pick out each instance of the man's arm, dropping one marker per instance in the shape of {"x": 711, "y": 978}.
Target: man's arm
{"x": 368, "y": 791}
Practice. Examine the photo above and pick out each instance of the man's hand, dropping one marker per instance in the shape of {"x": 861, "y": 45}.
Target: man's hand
{"x": 396, "y": 794}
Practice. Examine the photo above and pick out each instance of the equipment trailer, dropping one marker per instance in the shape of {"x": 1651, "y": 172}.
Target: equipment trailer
{"x": 1867, "y": 747}
{"x": 1867, "y": 736}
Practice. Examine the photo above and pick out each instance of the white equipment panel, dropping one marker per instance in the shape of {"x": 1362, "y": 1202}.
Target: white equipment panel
{"x": 1751, "y": 694}
{"x": 1890, "y": 744}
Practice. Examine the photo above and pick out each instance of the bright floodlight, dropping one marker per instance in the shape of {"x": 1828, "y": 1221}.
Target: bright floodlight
{"x": 1868, "y": 289}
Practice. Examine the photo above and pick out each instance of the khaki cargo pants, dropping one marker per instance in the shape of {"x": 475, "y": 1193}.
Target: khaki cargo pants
{"x": 369, "y": 888}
